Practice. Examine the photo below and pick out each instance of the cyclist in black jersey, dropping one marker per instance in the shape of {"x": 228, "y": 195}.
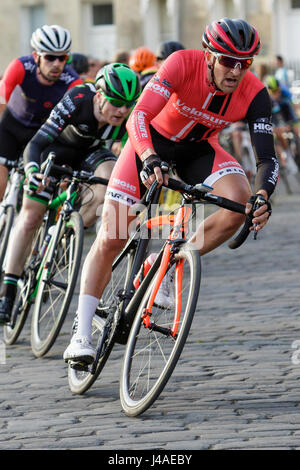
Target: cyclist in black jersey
{"x": 76, "y": 130}
{"x": 30, "y": 88}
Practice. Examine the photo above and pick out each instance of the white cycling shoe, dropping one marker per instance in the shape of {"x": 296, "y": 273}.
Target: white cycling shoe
{"x": 165, "y": 297}
{"x": 80, "y": 350}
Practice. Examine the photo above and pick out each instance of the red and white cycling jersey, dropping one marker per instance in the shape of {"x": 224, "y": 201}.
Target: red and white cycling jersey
{"x": 185, "y": 109}
{"x": 182, "y": 104}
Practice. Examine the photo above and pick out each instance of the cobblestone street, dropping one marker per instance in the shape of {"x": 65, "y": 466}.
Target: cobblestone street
{"x": 236, "y": 385}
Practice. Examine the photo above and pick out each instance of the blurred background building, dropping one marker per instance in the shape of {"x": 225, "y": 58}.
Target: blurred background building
{"x": 99, "y": 28}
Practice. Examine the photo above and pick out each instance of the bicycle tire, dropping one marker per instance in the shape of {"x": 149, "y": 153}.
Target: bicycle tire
{"x": 6, "y": 223}
{"x": 56, "y": 286}
{"x": 25, "y": 286}
{"x": 81, "y": 381}
{"x": 144, "y": 374}
{"x": 20, "y": 310}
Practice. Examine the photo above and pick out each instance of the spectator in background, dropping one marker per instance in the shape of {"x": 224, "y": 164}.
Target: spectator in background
{"x": 81, "y": 65}
{"x": 122, "y": 57}
{"x": 165, "y": 49}
{"x": 94, "y": 66}
{"x": 281, "y": 72}
{"x": 143, "y": 61}
{"x": 261, "y": 70}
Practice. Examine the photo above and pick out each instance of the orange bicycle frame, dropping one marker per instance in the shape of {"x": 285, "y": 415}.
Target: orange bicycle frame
{"x": 178, "y": 232}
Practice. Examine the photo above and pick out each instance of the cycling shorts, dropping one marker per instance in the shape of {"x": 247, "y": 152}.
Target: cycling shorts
{"x": 195, "y": 162}
{"x": 77, "y": 159}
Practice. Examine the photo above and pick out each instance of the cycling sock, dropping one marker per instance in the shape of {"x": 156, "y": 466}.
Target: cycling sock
{"x": 87, "y": 305}
{"x": 9, "y": 288}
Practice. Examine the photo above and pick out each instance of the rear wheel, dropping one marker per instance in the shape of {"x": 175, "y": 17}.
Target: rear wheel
{"x": 152, "y": 352}
{"x": 57, "y": 285}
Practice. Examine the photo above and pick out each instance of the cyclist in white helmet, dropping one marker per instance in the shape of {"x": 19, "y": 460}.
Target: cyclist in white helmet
{"x": 31, "y": 86}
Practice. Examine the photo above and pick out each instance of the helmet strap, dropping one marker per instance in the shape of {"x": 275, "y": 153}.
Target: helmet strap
{"x": 212, "y": 73}
{"x": 100, "y": 107}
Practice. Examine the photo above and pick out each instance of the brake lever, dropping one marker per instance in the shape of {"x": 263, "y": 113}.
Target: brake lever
{"x": 259, "y": 201}
{"x": 50, "y": 161}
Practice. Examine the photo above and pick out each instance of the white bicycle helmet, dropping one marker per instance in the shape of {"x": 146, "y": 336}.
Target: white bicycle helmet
{"x": 52, "y": 38}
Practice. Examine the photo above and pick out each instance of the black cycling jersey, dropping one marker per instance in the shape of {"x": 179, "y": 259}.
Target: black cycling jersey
{"x": 72, "y": 125}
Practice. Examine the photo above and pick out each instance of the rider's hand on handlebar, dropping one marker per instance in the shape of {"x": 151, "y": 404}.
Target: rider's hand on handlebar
{"x": 154, "y": 169}
{"x": 263, "y": 211}
{"x": 35, "y": 182}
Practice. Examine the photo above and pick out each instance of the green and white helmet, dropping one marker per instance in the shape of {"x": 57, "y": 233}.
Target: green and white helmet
{"x": 118, "y": 81}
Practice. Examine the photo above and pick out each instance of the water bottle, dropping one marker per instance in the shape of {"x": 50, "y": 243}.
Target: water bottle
{"x": 144, "y": 269}
{"x": 47, "y": 240}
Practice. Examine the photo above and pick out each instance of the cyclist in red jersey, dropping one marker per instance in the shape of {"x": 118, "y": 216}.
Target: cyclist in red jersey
{"x": 31, "y": 86}
{"x": 192, "y": 97}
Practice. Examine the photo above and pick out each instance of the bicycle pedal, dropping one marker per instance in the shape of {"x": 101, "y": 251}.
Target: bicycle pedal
{"x": 81, "y": 366}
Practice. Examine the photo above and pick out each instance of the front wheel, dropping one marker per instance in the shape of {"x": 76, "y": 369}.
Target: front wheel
{"x": 56, "y": 286}
{"x": 152, "y": 352}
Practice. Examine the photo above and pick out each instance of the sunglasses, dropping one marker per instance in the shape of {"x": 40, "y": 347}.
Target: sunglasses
{"x": 233, "y": 62}
{"x": 52, "y": 58}
{"x": 119, "y": 103}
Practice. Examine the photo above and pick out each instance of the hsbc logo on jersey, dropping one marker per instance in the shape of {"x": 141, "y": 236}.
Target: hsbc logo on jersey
{"x": 124, "y": 184}
{"x": 263, "y": 126}
{"x": 160, "y": 89}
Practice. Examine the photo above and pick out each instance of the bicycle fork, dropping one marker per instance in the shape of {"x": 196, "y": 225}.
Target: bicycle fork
{"x": 177, "y": 237}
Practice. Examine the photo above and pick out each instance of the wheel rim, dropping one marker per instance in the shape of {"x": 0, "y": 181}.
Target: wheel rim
{"x": 148, "y": 362}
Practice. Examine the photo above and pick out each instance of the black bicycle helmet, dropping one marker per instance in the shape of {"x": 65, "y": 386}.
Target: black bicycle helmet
{"x": 168, "y": 47}
{"x": 233, "y": 37}
{"x": 80, "y": 63}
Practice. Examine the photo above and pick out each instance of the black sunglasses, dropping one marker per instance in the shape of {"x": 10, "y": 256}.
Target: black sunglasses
{"x": 53, "y": 58}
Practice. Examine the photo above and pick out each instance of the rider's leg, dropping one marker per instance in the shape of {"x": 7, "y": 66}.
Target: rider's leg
{"x": 96, "y": 274}
{"x": 221, "y": 225}
{"x": 93, "y": 199}
{"x": 3, "y": 180}
{"x": 111, "y": 238}
{"x": 29, "y": 219}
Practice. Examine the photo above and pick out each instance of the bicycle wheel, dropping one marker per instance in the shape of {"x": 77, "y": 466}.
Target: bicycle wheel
{"x": 25, "y": 286}
{"x": 104, "y": 331}
{"x": 56, "y": 286}
{"x": 6, "y": 223}
{"x": 152, "y": 352}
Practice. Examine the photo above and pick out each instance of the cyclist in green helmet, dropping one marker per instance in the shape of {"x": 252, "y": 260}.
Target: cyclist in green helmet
{"x": 80, "y": 131}
{"x": 118, "y": 84}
